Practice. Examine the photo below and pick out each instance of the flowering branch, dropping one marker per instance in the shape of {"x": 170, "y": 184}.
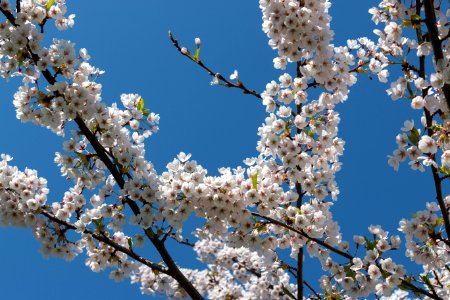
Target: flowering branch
{"x": 341, "y": 253}
{"x": 173, "y": 269}
{"x": 322, "y": 243}
{"x": 298, "y": 156}
{"x": 430, "y": 21}
{"x": 109, "y": 242}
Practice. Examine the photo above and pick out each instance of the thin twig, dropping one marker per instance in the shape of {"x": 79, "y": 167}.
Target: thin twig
{"x": 312, "y": 290}
{"x": 228, "y": 83}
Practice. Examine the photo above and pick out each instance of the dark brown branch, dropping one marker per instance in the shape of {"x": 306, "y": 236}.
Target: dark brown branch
{"x": 416, "y": 289}
{"x": 109, "y": 242}
{"x": 302, "y": 233}
{"x": 227, "y": 83}
{"x": 339, "y": 252}
{"x": 311, "y": 288}
{"x": 300, "y": 280}
{"x": 174, "y": 271}
{"x": 431, "y": 18}
{"x": 298, "y": 189}
{"x": 8, "y": 16}
{"x": 182, "y": 242}
{"x": 436, "y": 43}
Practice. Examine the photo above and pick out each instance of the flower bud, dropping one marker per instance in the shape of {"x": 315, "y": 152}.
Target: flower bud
{"x": 197, "y": 42}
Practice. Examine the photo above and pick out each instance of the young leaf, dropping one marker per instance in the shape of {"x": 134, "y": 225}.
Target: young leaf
{"x": 130, "y": 244}
{"x": 439, "y": 221}
{"x": 414, "y": 136}
{"x": 83, "y": 159}
{"x": 309, "y": 133}
{"x": 444, "y": 170}
{"x": 255, "y": 181}
{"x": 407, "y": 23}
{"x": 49, "y": 4}
{"x": 141, "y": 104}
{"x": 145, "y": 111}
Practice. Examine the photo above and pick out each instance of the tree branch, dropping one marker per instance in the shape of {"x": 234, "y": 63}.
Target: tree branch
{"x": 108, "y": 241}
{"x": 302, "y": 233}
{"x": 311, "y": 288}
{"x": 299, "y": 191}
{"x": 9, "y": 16}
{"x": 430, "y": 21}
{"x": 339, "y": 252}
{"x": 228, "y": 83}
{"x": 173, "y": 269}
{"x": 436, "y": 43}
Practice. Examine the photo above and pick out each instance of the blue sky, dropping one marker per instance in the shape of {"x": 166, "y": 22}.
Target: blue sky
{"x": 218, "y": 126}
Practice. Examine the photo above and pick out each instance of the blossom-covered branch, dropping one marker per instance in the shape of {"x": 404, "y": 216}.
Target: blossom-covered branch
{"x": 280, "y": 199}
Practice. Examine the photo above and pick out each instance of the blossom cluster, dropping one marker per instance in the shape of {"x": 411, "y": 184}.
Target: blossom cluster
{"x": 21, "y": 193}
{"x": 297, "y": 28}
{"x": 421, "y": 147}
{"x": 427, "y": 247}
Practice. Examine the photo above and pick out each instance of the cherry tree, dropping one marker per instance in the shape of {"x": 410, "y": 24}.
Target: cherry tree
{"x": 279, "y": 200}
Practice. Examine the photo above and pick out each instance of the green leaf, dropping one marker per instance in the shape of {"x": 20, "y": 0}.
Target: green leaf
{"x": 426, "y": 280}
{"x": 255, "y": 181}
{"x": 414, "y": 136}
{"x": 141, "y": 104}
{"x": 439, "y": 221}
{"x": 436, "y": 127}
{"x": 407, "y": 23}
{"x": 415, "y": 17}
{"x": 444, "y": 170}
{"x": 99, "y": 224}
{"x": 20, "y": 57}
{"x": 49, "y": 4}
{"x": 83, "y": 159}
{"x": 370, "y": 244}
{"x": 94, "y": 128}
{"x": 145, "y": 111}
{"x": 309, "y": 133}
{"x": 130, "y": 243}
{"x": 260, "y": 227}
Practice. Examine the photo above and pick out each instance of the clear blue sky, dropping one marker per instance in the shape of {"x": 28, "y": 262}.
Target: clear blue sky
{"x": 218, "y": 126}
